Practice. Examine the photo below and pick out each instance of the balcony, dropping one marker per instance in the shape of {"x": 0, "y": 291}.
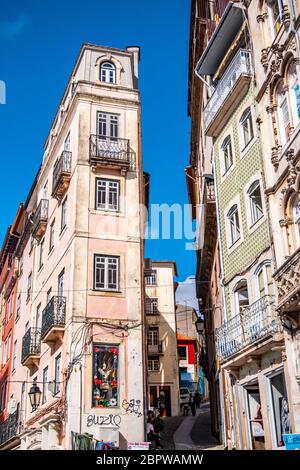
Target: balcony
{"x": 9, "y": 428}
{"x": 61, "y": 175}
{"x": 40, "y": 219}
{"x": 156, "y": 348}
{"x": 228, "y": 93}
{"x": 31, "y": 348}
{"x": 287, "y": 278}
{"x": 253, "y": 325}
{"x": 105, "y": 151}
{"x": 53, "y": 320}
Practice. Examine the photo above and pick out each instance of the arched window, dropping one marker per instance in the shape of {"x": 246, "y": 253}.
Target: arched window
{"x": 296, "y": 219}
{"x": 294, "y": 92}
{"x": 227, "y": 153}
{"x": 256, "y": 206}
{"x": 107, "y": 72}
{"x": 247, "y": 126}
{"x": 234, "y": 224}
{"x": 265, "y": 284}
{"x": 241, "y": 297}
{"x": 284, "y": 121}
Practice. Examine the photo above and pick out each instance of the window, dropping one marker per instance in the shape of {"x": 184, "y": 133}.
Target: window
{"x": 107, "y": 72}
{"x": 241, "y": 297}
{"x": 153, "y": 364}
{"x": 106, "y": 272}
{"x": 57, "y": 374}
{"x": 11, "y": 304}
{"x": 64, "y": 214}
{"x": 294, "y": 91}
{"x": 14, "y": 355}
{"x": 41, "y": 256}
{"x": 234, "y": 224}
{"x": 49, "y": 294}
{"x": 107, "y": 194}
{"x": 67, "y": 143}
{"x": 45, "y": 191}
{"x": 153, "y": 335}
{"x": 280, "y": 408}
{"x": 264, "y": 280}
{"x": 31, "y": 243}
{"x": 107, "y": 125}
{"x": 29, "y": 286}
{"x": 296, "y": 219}
{"x": 182, "y": 352}
{"x": 45, "y": 385}
{"x": 3, "y": 395}
{"x": 283, "y": 114}
{"x": 18, "y": 310}
{"x": 247, "y": 126}
{"x": 256, "y": 207}
{"x": 227, "y": 153}
{"x": 151, "y": 306}
{"x": 51, "y": 238}
{"x": 21, "y": 265}
{"x": 150, "y": 278}
{"x": 38, "y": 316}
{"x": 275, "y": 10}
{"x": 105, "y": 376}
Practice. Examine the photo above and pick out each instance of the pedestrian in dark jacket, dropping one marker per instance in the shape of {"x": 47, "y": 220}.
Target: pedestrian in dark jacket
{"x": 192, "y": 404}
{"x": 197, "y": 397}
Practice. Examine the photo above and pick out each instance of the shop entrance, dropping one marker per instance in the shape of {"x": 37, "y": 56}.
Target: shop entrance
{"x": 280, "y": 409}
{"x": 254, "y": 414}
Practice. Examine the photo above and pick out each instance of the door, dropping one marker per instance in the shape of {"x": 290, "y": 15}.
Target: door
{"x": 254, "y": 417}
{"x": 165, "y": 401}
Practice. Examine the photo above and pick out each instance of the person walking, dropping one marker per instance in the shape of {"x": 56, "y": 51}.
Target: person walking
{"x": 197, "y": 397}
{"x": 192, "y": 404}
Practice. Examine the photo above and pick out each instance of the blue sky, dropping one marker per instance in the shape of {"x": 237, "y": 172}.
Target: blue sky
{"x": 39, "y": 42}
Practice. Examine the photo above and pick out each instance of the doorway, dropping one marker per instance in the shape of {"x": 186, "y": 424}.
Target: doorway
{"x": 165, "y": 400}
{"x": 254, "y": 417}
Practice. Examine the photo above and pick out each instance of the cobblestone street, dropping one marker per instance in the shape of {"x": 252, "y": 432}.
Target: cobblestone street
{"x": 190, "y": 432}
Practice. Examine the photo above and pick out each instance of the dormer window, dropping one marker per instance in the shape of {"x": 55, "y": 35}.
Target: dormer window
{"x": 107, "y": 72}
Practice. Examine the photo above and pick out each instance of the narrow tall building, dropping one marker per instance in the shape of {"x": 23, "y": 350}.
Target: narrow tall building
{"x": 163, "y": 380}
{"x": 80, "y": 292}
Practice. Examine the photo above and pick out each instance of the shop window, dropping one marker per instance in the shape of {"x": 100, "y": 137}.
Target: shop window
{"x": 105, "y": 376}
{"x": 280, "y": 408}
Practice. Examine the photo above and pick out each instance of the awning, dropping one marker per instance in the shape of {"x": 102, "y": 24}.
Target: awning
{"x": 222, "y": 38}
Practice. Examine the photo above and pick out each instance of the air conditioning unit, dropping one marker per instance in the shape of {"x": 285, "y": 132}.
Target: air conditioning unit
{"x": 12, "y": 406}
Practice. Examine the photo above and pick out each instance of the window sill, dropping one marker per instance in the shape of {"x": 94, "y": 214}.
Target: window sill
{"x": 234, "y": 245}
{"x": 247, "y": 147}
{"x": 62, "y": 231}
{"x": 50, "y": 252}
{"x": 108, "y": 290}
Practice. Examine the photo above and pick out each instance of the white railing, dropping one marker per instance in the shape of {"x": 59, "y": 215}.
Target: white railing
{"x": 240, "y": 65}
{"x": 254, "y": 323}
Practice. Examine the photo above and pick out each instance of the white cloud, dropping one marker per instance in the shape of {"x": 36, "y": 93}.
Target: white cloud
{"x": 186, "y": 293}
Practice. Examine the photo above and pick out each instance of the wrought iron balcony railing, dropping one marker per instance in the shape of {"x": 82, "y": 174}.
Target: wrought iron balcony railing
{"x": 109, "y": 150}
{"x": 40, "y": 219}
{"x": 31, "y": 344}
{"x": 61, "y": 174}
{"x": 54, "y": 315}
{"x": 9, "y": 428}
{"x": 240, "y": 65}
{"x": 156, "y": 348}
{"x": 254, "y": 323}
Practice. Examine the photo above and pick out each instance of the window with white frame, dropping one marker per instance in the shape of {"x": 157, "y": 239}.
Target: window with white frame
{"x": 150, "y": 278}
{"x": 296, "y": 219}
{"x": 14, "y": 355}
{"x": 18, "y": 309}
{"x": 64, "y": 206}
{"x": 283, "y": 114}
{"x": 51, "y": 236}
{"x": 234, "y": 225}
{"x": 275, "y": 8}
{"x": 241, "y": 297}
{"x": 151, "y": 306}
{"x": 29, "y": 285}
{"x": 21, "y": 265}
{"x": 256, "y": 205}
{"x": 57, "y": 374}
{"x": 182, "y": 352}
{"x": 41, "y": 254}
{"x": 45, "y": 385}
{"x": 264, "y": 280}
{"x": 107, "y": 194}
{"x": 107, "y": 72}
{"x": 227, "y": 154}
{"x": 153, "y": 364}
{"x": 107, "y": 125}
{"x": 294, "y": 92}
{"x": 106, "y": 272}
{"x": 153, "y": 335}
{"x": 247, "y": 126}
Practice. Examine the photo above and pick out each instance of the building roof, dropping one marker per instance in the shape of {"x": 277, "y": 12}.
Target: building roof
{"x": 181, "y": 337}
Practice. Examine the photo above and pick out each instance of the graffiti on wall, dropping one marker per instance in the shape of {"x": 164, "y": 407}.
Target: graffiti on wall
{"x": 133, "y": 406}
{"x": 104, "y": 420}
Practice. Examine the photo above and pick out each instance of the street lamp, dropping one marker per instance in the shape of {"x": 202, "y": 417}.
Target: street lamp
{"x": 34, "y": 396}
{"x": 199, "y": 324}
